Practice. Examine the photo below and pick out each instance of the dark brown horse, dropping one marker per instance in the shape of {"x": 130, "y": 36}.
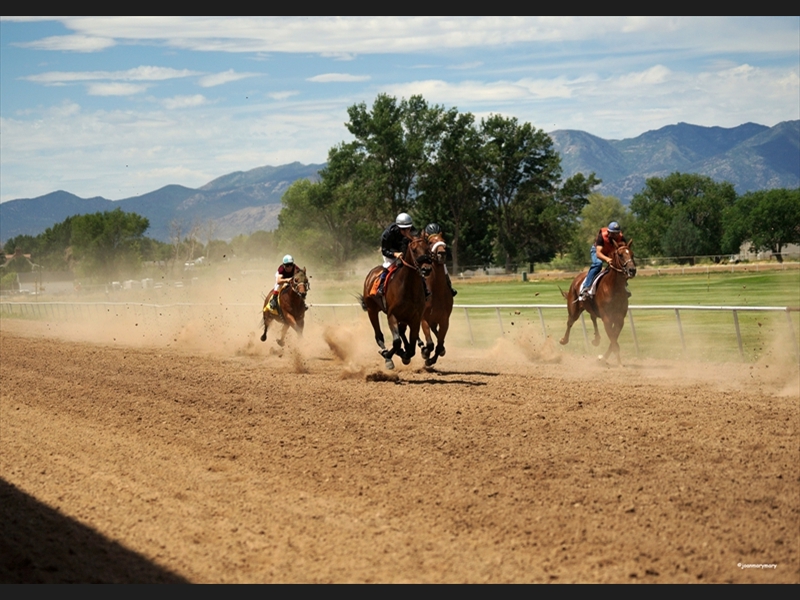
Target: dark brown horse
{"x": 610, "y": 301}
{"x": 403, "y": 301}
{"x": 292, "y": 306}
{"x": 436, "y": 317}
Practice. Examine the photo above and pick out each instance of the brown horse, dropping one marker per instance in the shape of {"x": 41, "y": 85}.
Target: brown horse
{"x": 291, "y": 306}
{"x": 439, "y": 305}
{"x": 403, "y": 301}
{"x": 610, "y": 301}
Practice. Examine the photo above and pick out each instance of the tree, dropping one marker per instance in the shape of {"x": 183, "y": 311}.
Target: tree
{"x": 699, "y": 198}
{"x": 522, "y": 171}
{"x": 451, "y": 187}
{"x": 393, "y": 140}
{"x": 769, "y": 219}
{"x": 108, "y": 243}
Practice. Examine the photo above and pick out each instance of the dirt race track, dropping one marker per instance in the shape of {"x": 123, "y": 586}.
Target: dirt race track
{"x": 194, "y": 455}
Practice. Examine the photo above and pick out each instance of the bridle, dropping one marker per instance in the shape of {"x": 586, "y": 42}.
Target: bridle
{"x": 420, "y": 264}
{"x": 438, "y": 248}
{"x": 296, "y": 285}
{"x": 627, "y": 271}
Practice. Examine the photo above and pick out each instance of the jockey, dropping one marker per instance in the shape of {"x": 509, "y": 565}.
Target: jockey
{"x": 394, "y": 242}
{"x": 433, "y": 229}
{"x": 283, "y": 276}
{"x": 603, "y": 247}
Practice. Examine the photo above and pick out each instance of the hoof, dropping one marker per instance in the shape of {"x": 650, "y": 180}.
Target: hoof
{"x": 406, "y": 360}
{"x": 281, "y": 343}
{"x": 595, "y": 342}
{"x": 563, "y": 341}
{"x": 389, "y": 364}
{"x": 263, "y": 337}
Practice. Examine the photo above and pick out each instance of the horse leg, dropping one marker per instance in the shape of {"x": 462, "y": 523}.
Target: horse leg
{"x": 613, "y": 329}
{"x": 397, "y": 343}
{"x": 440, "y": 332}
{"x": 573, "y": 312}
{"x": 281, "y": 340}
{"x": 596, "y": 340}
{"x": 266, "y": 326}
{"x": 411, "y": 345}
{"x": 427, "y": 346}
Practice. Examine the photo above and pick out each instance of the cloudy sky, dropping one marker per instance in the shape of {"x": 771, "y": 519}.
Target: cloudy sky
{"x": 118, "y": 107}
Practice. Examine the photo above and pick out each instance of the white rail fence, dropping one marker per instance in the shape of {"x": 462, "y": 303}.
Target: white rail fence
{"x": 89, "y": 310}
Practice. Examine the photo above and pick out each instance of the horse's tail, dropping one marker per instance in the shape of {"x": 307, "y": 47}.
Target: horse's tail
{"x": 566, "y": 297}
{"x": 361, "y": 301}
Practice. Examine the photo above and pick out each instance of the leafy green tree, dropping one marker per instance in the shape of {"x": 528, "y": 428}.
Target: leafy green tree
{"x": 682, "y": 239}
{"x": 451, "y": 188}
{"x": 108, "y": 243}
{"x": 769, "y": 219}
{"x": 522, "y": 172}
{"x": 393, "y": 140}
{"x": 701, "y": 199}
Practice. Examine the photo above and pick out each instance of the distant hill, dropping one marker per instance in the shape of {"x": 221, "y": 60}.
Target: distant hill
{"x": 240, "y": 202}
{"x": 751, "y": 156}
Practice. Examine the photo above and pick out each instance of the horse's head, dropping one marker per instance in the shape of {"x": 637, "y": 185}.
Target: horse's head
{"x": 624, "y": 261}
{"x": 438, "y": 248}
{"x": 418, "y": 255}
{"x": 300, "y": 283}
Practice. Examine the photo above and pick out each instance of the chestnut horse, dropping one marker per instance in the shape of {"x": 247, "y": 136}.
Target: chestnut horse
{"x": 610, "y": 301}
{"x": 292, "y": 306}
{"x": 403, "y": 301}
{"x": 436, "y": 317}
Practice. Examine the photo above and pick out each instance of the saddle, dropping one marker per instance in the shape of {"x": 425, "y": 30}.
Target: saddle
{"x": 276, "y": 312}
{"x": 376, "y": 283}
{"x": 593, "y": 287}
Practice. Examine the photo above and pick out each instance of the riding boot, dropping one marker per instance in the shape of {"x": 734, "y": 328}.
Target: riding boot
{"x": 450, "y": 284}
{"x": 382, "y": 281}
{"x": 273, "y": 302}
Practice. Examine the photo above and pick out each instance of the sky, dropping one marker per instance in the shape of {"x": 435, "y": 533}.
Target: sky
{"x": 118, "y": 107}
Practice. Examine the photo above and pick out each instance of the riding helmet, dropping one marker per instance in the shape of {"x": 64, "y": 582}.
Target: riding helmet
{"x": 613, "y": 227}
{"x": 433, "y": 229}
{"x": 403, "y": 221}
{"x": 288, "y": 260}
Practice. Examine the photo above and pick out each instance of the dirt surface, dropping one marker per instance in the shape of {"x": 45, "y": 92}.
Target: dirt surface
{"x": 196, "y": 453}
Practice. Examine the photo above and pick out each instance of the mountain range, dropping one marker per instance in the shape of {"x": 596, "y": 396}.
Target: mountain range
{"x": 750, "y": 156}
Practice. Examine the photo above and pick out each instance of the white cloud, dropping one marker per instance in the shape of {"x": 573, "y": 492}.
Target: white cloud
{"x": 115, "y": 89}
{"x": 143, "y": 73}
{"x": 70, "y": 43}
{"x": 224, "y": 77}
{"x": 282, "y": 95}
{"x": 177, "y": 102}
{"x": 337, "y": 77}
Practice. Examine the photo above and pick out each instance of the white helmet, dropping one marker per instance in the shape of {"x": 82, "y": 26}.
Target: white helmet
{"x": 288, "y": 260}
{"x": 403, "y": 221}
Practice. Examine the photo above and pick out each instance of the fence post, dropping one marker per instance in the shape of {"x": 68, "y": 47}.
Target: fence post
{"x": 469, "y": 326}
{"x": 585, "y": 335}
{"x": 738, "y": 333}
{"x": 633, "y": 330}
{"x": 541, "y": 319}
{"x": 791, "y": 330}
{"x": 680, "y": 329}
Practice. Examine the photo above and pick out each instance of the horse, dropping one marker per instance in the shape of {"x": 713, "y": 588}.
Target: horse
{"x": 291, "y": 306}
{"x": 439, "y": 305}
{"x": 403, "y": 301}
{"x": 610, "y": 301}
